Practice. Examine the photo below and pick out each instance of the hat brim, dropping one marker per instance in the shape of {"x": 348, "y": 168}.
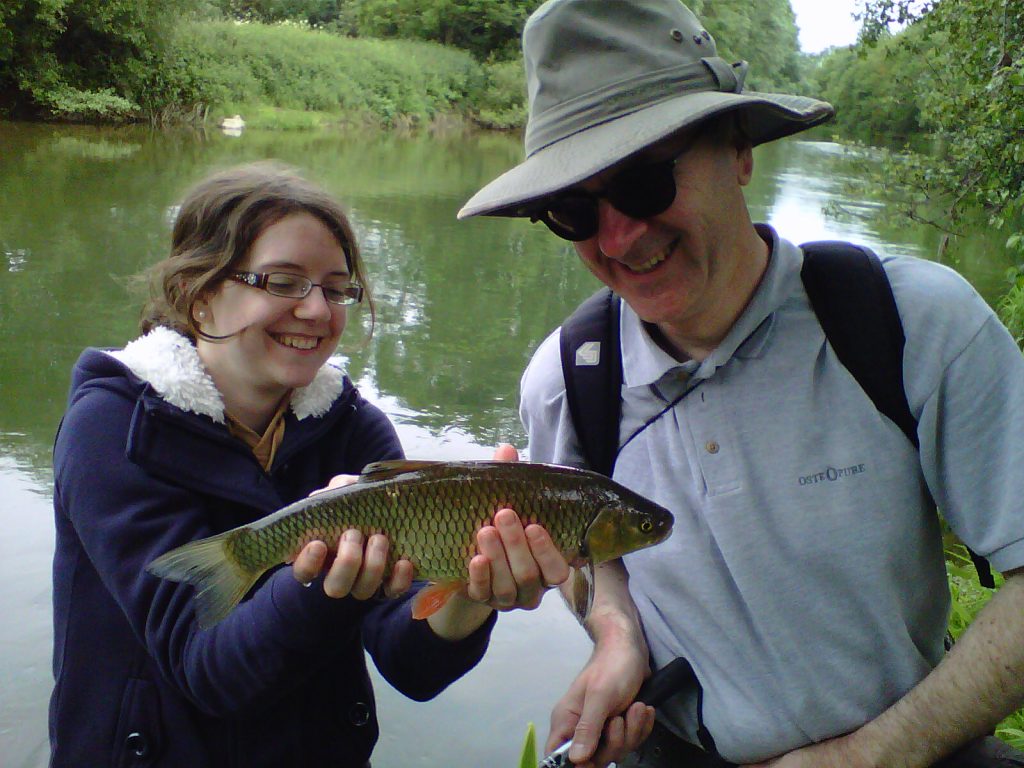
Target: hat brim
{"x": 581, "y": 155}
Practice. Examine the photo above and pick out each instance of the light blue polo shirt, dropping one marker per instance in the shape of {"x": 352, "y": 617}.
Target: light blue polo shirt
{"x": 804, "y": 578}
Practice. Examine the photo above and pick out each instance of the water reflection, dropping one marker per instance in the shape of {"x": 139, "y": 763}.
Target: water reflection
{"x": 461, "y": 306}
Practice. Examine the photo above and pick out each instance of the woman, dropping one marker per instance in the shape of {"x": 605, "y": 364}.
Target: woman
{"x": 226, "y": 409}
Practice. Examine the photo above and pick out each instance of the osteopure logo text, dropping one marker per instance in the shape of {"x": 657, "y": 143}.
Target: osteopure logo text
{"x": 831, "y": 474}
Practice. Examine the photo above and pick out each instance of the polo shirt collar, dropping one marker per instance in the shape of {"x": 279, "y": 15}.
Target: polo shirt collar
{"x": 645, "y": 363}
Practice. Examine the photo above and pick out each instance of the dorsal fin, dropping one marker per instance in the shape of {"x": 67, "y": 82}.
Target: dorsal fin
{"x": 385, "y": 470}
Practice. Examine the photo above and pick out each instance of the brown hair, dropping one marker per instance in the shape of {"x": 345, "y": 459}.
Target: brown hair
{"x": 216, "y": 225}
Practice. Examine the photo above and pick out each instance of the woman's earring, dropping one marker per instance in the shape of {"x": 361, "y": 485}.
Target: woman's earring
{"x": 201, "y": 314}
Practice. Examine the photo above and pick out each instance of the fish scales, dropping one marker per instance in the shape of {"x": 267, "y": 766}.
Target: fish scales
{"x": 430, "y": 512}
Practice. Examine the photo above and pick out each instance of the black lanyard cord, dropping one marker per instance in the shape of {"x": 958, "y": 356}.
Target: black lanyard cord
{"x": 654, "y": 418}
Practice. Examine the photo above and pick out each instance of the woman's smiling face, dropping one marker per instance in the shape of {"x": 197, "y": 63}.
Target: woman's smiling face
{"x": 276, "y": 344}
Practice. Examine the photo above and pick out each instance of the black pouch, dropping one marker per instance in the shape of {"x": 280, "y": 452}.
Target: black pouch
{"x": 988, "y": 752}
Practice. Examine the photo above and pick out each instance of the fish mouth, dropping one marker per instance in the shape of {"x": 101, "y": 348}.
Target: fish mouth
{"x": 301, "y": 342}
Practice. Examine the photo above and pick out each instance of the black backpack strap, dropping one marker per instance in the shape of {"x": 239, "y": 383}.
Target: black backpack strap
{"x": 852, "y": 298}
{"x": 851, "y": 295}
{"x": 592, "y": 369}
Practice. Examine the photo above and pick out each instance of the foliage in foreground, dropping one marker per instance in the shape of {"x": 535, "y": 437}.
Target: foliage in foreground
{"x": 1011, "y": 305}
{"x": 969, "y": 597}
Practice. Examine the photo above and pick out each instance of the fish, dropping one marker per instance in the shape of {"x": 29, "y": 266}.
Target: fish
{"x": 430, "y": 511}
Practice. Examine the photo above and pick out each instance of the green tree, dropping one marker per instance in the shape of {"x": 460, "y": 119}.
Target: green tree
{"x": 971, "y": 97}
{"x": 313, "y": 12}
{"x": 870, "y": 89}
{"x": 485, "y": 28}
{"x": 82, "y": 58}
{"x": 763, "y": 33}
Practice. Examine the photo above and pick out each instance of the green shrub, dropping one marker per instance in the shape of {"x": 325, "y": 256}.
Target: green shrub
{"x": 502, "y": 105}
{"x": 1011, "y": 306}
{"x": 289, "y": 68}
{"x": 67, "y": 103}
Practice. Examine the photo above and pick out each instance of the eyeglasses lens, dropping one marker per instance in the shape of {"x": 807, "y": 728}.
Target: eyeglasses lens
{"x": 289, "y": 286}
{"x": 343, "y": 294}
{"x": 572, "y": 217}
{"x": 297, "y": 287}
{"x": 644, "y": 191}
{"x": 639, "y": 192}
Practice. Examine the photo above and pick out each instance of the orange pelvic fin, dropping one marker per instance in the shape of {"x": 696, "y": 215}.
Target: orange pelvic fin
{"x": 433, "y": 597}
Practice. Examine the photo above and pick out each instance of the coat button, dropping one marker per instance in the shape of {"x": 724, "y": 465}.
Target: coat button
{"x": 359, "y": 714}
{"x": 711, "y": 447}
{"x": 137, "y": 744}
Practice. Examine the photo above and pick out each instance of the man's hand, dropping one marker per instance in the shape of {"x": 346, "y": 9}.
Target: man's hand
{"x": 599, "y": 712}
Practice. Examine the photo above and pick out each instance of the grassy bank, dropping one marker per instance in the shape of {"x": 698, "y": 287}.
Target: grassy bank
{"x": 290, "y": 76}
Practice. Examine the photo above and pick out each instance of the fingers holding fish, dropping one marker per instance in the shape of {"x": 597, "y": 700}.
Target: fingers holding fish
{"x": 506, "y": 452}
{"x": 553, "y": 567}
{"x": 515, "y": 576}
{"x": 514, "y": 566}
{"x": 401, "y": 579}
{"x": 338, "y": 481}
{"x": 359, "y": 568}
{"x": 309, "y": 562}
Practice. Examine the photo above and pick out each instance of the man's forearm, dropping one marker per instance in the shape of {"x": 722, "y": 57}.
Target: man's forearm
{"x": 614, "y": 618}
{"x": 979, "y": 683}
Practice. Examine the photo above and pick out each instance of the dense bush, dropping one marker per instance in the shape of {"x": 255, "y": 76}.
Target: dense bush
{"x": 502, "y": 105}
{"x": 292, "y": 68}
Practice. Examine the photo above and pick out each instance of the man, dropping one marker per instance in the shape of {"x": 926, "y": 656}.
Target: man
{"x": 805, "y": 578}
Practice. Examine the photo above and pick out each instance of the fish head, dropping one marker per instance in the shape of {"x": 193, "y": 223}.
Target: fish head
{"x": 618, "y": 530}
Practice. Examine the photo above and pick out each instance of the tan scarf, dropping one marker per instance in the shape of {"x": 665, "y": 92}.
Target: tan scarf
{"x": 264, "y": 446}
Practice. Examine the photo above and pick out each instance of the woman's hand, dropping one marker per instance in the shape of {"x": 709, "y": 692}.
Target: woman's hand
{"x": 513, "y": 567}
{"x": 514, "y": 564}
{"x": 358, "y": 565}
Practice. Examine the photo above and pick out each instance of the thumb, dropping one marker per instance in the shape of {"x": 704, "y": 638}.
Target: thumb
{"x": 585, "y": 739}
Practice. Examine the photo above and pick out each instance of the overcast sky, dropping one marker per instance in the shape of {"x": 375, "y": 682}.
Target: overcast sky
{"x": 825, "y": 22}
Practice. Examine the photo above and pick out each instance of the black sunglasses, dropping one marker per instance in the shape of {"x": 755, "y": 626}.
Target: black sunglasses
{"x": 639, "y": 192}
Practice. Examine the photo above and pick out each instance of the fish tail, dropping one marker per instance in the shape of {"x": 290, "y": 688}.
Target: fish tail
{"x": 220, "y": 580}
{"x": 432, "y": 597}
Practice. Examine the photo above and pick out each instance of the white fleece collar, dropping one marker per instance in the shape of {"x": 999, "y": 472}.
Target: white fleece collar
{"x": 171, "y": 365}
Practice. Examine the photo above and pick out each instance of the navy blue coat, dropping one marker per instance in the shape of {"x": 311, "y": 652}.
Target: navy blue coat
{"x": 282, "y": 680}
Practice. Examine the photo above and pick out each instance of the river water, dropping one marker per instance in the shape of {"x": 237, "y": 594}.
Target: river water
{"x": 460, "y": 308}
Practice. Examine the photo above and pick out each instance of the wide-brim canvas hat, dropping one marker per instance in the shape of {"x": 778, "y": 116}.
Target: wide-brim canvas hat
{"x": 608, "y": 78}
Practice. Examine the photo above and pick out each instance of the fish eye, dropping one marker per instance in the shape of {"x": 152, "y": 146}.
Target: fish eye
{"x": 646, "y": 526}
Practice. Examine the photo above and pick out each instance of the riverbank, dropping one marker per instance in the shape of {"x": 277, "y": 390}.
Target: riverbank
{"x": 293, "y": 77}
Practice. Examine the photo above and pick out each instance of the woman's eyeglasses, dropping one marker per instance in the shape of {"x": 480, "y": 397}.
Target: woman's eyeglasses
{"x": 639, "y": 192}
{"x": 337, "y": 291}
